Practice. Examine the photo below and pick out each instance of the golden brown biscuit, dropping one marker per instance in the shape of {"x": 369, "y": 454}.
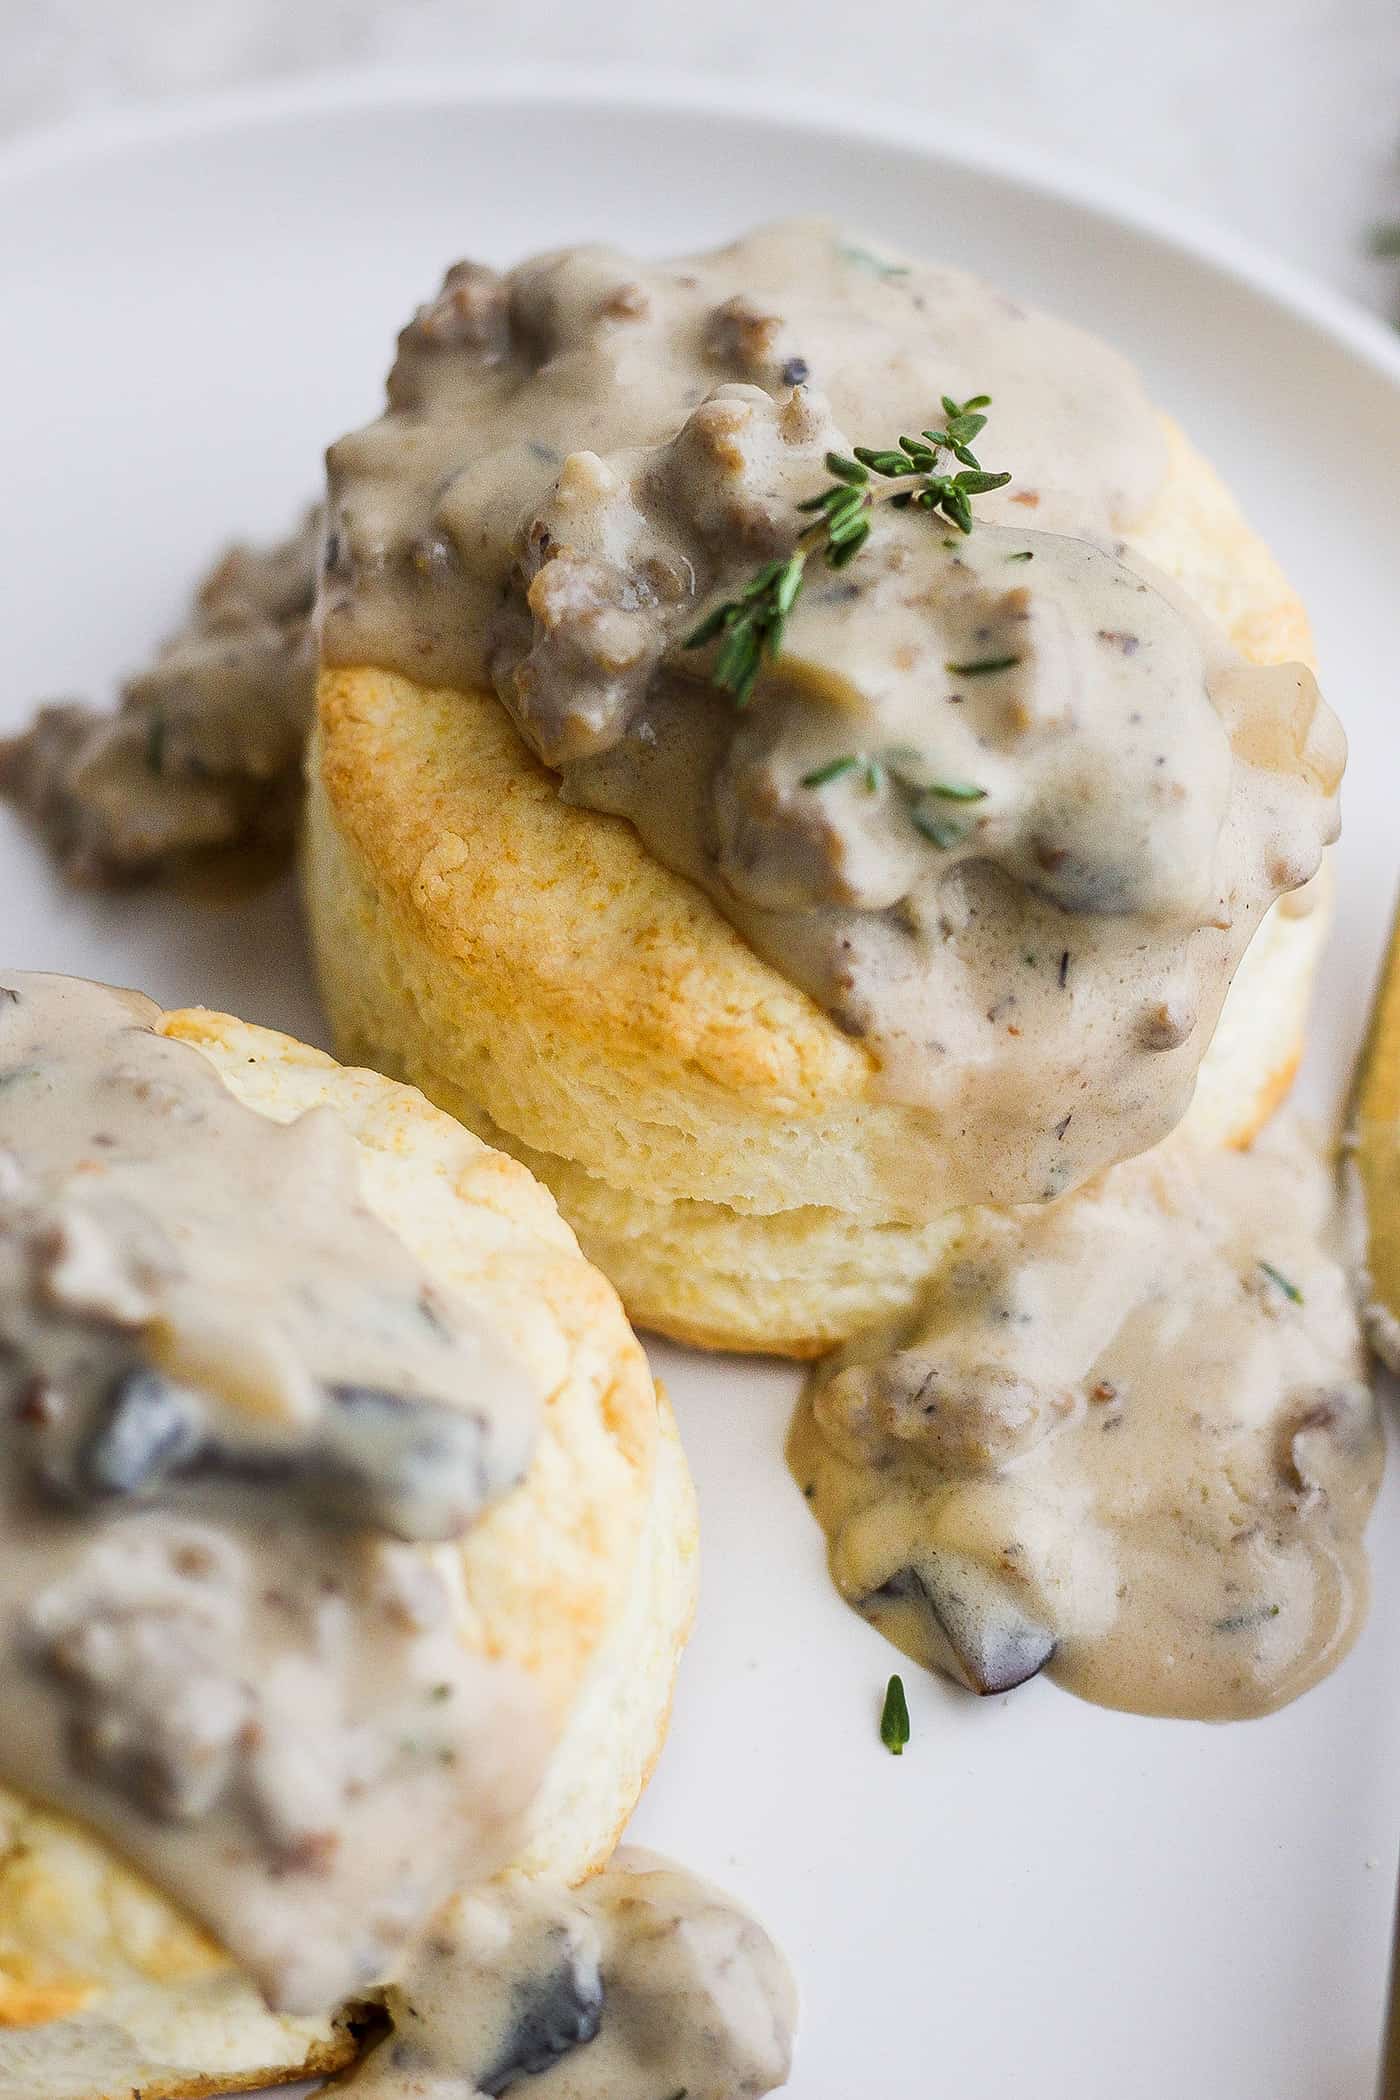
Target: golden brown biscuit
{"x": 711, "y": 1134}
{"x": 585, "y": 1575}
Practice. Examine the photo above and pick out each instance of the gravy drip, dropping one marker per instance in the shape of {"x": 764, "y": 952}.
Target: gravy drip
{"x": 1127, "y": 1439}
{"x": 645, "y": 1983}
{"x": 203, "y": 752}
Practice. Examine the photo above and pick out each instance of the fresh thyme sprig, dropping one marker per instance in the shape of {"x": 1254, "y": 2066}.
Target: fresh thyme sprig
{"x": 923, "y": 796}
{"x": 751, "y": 626}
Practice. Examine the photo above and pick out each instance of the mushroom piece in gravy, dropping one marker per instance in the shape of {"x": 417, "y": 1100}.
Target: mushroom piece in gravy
{"x": 644, "y": 1984}
{"x": 204, "y": 750}
{"x": 1127, "y": 1439}
{"x": 229, "y": 1398}
{"x": 1006, "y": 805}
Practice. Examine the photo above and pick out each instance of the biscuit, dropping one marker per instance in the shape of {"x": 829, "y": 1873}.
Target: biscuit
{"x": 585, "y": 1575}
{"x": 712, "y": 1136}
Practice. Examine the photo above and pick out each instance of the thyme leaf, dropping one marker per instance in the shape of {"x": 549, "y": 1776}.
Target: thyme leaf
{"x": 866, "y": 259}
{"x": 832, "y": 770}
{"x": 894, "y": 1718}
{"x": 938, "y": 830}
{"x": 750, "y": 627}
{"x": 1285, "y": 1284}
{"x": 1258, "y": 1616}
{"x": 982, "y": 666}
{"x": 904, "y": 766}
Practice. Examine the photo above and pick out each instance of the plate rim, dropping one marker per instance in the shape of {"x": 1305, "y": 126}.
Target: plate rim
{"x": 1181, "y": 230}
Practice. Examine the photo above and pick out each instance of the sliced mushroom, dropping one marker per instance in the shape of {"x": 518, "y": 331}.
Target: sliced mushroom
{"x": 417, "y": 1469}
{"x": 977, "y": 1630}
{"x": 556, "y": 2010}
{"x": 146, "y": 1430}
{"x": 410, "y": 1468}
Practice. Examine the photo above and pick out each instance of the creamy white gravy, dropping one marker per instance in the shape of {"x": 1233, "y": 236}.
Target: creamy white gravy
{"x": 236, "y": 1420}
{"x": 1127, "y": 1438}
{"x": 229, "y": 1397}
{"x": 204, "y": 750}
{"x": 645, "y": 1984}
{"x": 1071, "y": 803}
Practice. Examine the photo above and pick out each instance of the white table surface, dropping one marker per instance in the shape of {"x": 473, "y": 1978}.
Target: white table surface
{"x": 1280, "y": 119}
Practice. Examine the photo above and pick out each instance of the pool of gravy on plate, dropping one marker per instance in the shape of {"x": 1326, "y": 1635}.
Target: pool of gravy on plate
{"x": 644, "y": 1984}
{"x": 202, "y": 758}
{"x": 1126, "y": 1439}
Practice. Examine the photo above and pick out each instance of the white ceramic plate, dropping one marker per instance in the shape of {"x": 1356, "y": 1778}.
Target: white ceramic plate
{"x": 1040, "y": 1900}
